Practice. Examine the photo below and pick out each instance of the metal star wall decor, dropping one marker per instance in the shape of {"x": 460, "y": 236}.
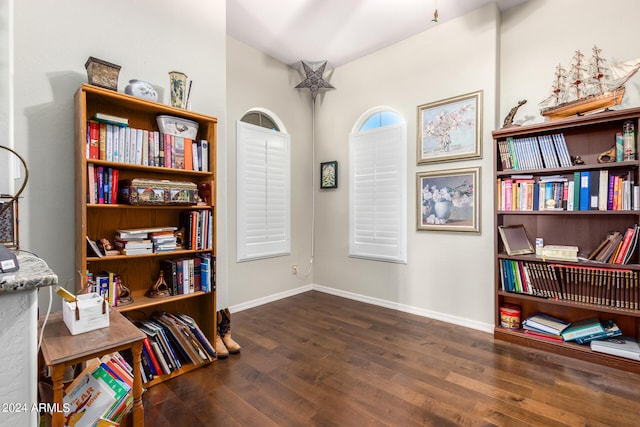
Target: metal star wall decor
{"x": 314, "y": 80}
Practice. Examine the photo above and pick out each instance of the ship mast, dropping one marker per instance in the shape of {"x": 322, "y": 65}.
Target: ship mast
{"x": 576, "y": 72}
{"x": 599, "y": 72}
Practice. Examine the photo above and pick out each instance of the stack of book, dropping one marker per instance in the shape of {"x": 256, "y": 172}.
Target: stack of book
{"x": 140, "y": 240}
{"x": 101, "y": 392}
{"x": 163, "y": 241}
{"x": 587, "y": 330}
{"x": 544, "y": 326}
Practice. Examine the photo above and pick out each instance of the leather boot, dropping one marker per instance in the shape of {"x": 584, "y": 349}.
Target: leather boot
{"x": 221, "y": 349}
{"x": 224, "y": 331}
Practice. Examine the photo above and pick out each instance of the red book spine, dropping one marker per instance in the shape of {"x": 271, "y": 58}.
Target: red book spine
{"x": 152, "y": 356}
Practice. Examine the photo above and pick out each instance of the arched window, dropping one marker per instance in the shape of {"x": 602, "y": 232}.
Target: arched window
{"x": 264, "y": 187}
{"x": 378, "y": 184}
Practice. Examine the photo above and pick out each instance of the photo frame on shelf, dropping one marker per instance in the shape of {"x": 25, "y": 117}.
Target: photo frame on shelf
{"x": 329, "y": 174}
{"x": 515, "y": 239}
{"x": 450, "y": 129}
{"x": 448, "y": 200}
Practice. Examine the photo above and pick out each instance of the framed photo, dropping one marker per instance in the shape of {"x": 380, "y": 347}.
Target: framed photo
{"x": 450, "y": 129}
{"x": 448, "y": 200}
{"x": 329, "y": 174}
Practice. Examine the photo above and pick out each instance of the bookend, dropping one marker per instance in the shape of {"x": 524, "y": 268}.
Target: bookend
{"x": 160, "y": 289}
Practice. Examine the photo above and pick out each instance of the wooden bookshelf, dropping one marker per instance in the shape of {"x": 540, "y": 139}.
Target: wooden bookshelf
{"x": 140, "y": 272}
{"x": 586, "y": 136}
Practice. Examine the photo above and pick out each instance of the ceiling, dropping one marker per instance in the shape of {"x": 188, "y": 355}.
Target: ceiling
{"x": 338, "y": 31}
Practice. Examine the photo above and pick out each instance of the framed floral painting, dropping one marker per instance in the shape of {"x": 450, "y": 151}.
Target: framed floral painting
{"x": 450, "y": 129}
{"x": 329, "y": 174}
{"x": 448, "y": 200}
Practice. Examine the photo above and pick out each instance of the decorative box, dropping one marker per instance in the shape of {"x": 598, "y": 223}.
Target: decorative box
{"x": 177, "y": 126}
{"x": 102, "y": 73}
{"x": 88, "y": 313}
{"x": 140, "y": 191}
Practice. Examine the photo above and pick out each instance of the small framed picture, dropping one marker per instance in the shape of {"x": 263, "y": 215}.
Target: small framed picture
{"x": 329, "y": 174}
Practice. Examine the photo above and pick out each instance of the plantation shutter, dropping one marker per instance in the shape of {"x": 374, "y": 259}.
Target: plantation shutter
{"x": 378, "y": 193}
{"x": 263, "y": 205}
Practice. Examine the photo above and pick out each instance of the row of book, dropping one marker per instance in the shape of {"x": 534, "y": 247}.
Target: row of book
{"x": 189, "y": 275}
{"x": 105, "y": 284}
{"x": 198, "y": 228}
{"x": 102, "y": 184}
{"x": 591, "y": 285}
{"x": 543, "y": 151}
{"x": 172, "y": 341}
{"x": 101, "y": 394}
{"x": 124, "y": 144}
{"x": 586, "y": 190}
{"x": 617, "y": 247}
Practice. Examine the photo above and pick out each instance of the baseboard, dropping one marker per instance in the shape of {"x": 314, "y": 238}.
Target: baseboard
{"x": 484, "y": 327}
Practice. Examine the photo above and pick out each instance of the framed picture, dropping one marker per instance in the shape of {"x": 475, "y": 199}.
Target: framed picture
{"x": 448, "y": 200}
{"x": 329, "y": 174}
{"x": 450, "y": 129}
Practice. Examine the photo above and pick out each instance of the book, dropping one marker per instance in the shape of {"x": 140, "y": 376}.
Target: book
{"x": 546, "y": 323}
{"x": 582, "y": 328}
{"x": 111, "y": 119}
{"x": 540, "y": 334}
{"x": 94, "y": 247}
{"x": 585, "y": 191}
{"x": 610, "y": 330}
{"x": 623, "y": 346}
{"x": 515, "y": 240}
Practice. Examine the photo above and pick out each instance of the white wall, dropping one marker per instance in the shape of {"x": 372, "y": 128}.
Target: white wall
{"x": 52, "y": 43}
{"x": 259, "y": 81}
{"x": 539, "y": 34}
{"x": 449, "y": 274}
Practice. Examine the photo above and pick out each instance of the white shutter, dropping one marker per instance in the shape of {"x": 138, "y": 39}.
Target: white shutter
{"x": 263, "y": 203}
{"x": 378, "y": 193}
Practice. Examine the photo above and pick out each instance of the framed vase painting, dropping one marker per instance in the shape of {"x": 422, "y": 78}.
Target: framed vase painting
{"x": 329, "y": 174}
{"x": 450, "y": 129}
{"x": 448, "y": 200}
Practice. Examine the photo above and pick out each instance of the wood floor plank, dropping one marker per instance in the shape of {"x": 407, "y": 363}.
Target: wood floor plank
{"x": 320, "y": 360}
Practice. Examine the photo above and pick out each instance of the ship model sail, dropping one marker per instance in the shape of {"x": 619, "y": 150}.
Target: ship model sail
{"x": 587, "y": 86}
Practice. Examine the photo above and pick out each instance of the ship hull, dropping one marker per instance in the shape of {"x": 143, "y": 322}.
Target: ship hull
{"x": 585, "y": 105}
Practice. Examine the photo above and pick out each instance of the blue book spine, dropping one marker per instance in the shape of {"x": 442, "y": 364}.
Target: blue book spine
{"x": 584, "y": 190}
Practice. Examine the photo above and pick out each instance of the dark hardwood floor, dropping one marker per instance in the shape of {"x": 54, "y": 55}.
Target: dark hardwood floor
{"x": 320, "y": 360}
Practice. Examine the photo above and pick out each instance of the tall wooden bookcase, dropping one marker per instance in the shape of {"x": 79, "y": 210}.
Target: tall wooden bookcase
{"x": 586, "y": 136}
{"x": 139, "y": 272}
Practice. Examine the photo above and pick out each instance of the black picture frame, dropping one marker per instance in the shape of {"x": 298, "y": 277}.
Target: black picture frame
{"x": 329, "y": 174}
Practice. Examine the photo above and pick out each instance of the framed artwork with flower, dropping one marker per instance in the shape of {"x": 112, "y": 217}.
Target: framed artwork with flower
{"x": 450, "y": 129}
{"x": 329, "y": 174}
{"x": 448, "y": 200}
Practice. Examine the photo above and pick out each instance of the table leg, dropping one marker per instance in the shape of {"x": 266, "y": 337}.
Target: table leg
{"x": 138, "y": 410}
{"x": 57, "y": 375}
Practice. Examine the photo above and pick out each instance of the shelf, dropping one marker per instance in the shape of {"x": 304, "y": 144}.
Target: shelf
{"x": 572, "y": 304}
{"x": 566, "y": 171}
{"x": 563, "y": 212}
{"x": 124, "y": 206}
{"x": 140, "y": 302}
{"x": 153, "y": 255}
{"x": 582, "y": 352}
{"x": 155, "y": 169}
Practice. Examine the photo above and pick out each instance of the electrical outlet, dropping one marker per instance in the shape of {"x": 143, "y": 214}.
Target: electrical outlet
{"x": 294, "y": 269}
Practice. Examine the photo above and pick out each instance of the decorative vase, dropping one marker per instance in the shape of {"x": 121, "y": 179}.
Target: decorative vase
{"x": 178, "y": 84}
{"x": 442, "y": 209}
{"x": 141, "y": 89}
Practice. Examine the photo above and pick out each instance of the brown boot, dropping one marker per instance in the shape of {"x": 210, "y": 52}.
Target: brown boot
{"x": 224, "y": 331}
{"x": 221, "y": 349}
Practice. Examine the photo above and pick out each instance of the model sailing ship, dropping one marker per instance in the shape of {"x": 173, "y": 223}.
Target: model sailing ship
{"x": 587, "y": 86}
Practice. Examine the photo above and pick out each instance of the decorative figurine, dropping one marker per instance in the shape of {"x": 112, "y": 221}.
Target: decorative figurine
{"x": 107, "y": 247}
{"x": 124, "y": 293}
{"x": 577, "y": 160}
{"x": 608, "y": 156}
{"x": 160, "y": 289}
{"x": 508, "y": 121}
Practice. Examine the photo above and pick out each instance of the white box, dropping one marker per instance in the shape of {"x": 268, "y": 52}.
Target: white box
{"x": 92, "y": 313}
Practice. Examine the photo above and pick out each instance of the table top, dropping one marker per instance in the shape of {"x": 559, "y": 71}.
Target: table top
{"x": 59, "y": 346}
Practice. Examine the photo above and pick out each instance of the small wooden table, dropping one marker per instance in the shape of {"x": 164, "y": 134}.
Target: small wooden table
{"x": 60, "y": 349}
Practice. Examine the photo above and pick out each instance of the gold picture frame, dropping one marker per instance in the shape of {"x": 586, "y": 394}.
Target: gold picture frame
{"x": 450, "y": 129}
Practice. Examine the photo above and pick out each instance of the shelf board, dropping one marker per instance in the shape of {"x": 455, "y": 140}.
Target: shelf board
{"x": 157, "y": 169}
{"x": 185, "y": 368}
{"x": 565, "y": 303}
{"x": 568, "y": 170}
{"x": 564, "y": 212}
{"x": 153, "y": 255}
{"x": 126, "y": 206}
{"x": 582, "y": 352}
{"x": 140, "y": 301}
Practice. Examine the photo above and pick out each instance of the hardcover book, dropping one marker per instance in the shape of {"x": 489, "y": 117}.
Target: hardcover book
{"x": 582, "y": 328}
{"x": 627, "y": 347}
{"x": 546, "y": 323}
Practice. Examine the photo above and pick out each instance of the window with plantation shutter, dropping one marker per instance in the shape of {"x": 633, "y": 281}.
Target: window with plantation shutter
{"x": 378, "y": 193}
{"x": 263, "y": 204}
